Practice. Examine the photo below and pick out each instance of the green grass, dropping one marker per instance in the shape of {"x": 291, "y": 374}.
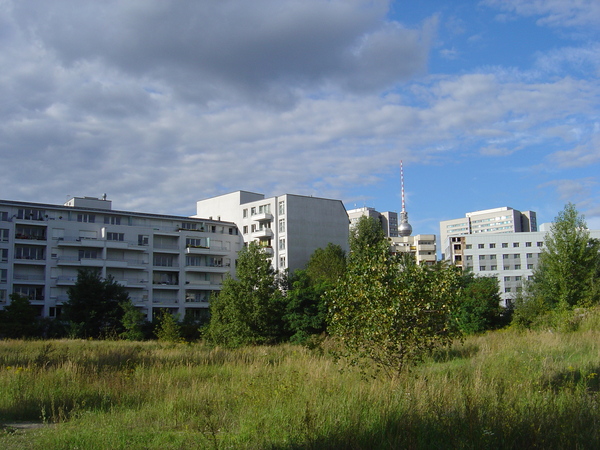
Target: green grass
{"x": 505, "y": 389}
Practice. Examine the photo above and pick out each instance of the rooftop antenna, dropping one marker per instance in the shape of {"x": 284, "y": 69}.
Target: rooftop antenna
{"x": 404, "y": 229}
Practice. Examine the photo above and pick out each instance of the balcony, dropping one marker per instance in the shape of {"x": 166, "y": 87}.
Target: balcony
{"x": 64, "y": 280}
{"x": 30, "y": 279}
{"x": 208, "y": 268}
{"x": 213, "y": 250}
{"x": 262, "y": 217}
{"x": 263, "y": 233}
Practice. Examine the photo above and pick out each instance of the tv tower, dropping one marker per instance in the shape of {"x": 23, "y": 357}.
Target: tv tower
{"x": 404, "y": 228}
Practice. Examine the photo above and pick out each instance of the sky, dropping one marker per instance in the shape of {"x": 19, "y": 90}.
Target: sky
{"x": 159, "y": 104}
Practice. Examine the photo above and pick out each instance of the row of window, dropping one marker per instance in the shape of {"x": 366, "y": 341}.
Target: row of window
{"x": 505, "y": 245}
{"x": 263, "y": 209}
{"x": 504, "y": 256}
{"x": 504, "y": 267}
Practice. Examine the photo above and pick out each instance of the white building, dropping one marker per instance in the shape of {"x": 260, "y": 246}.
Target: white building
{"x": 387, "y": 219}
{"x": 289, "y": 227}
{"x": 422, "y": 246}
{"x": 496, "y": 220}
{"x": 510, "y": 257}
{"x": 165, "y": 262}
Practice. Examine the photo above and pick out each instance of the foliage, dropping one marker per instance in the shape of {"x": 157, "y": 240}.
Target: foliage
{"x": 479, "y": 307}
{"x": 567, "y": 275}
{"x": 167, "y": 328}
{"x": 133, "y": 322}
{"x": 249, "y": 309}
{"x": 305, "y": 309}
{"x": 94, "y": 306}
{"x": 391, "y": 311}
{"x": 18, "y": 319}
{"x": 366, "y": 233}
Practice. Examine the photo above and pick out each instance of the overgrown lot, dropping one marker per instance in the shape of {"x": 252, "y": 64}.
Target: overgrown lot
{"x": 505, "y": 389}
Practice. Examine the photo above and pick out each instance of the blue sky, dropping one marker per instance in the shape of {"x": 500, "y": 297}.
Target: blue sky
{"x": 158, "y": 104}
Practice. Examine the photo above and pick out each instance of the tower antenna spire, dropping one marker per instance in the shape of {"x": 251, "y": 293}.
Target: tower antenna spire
{"x": 404, "y": 229}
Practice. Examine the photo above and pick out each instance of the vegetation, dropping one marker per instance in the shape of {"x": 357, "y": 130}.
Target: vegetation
{"x": 18, "y": 319}
{"x": 567, "y": 276}
{"x": 95, "y": 306}
{"x": 249, "y": 308}
{"x": 391, "y": 311}
{"x": 478, "y": 308}
{"x": 504, "y": 389}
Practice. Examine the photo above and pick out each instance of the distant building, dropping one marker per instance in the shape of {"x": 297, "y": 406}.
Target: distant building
{"x": 165, "y": 262}
{"x": 422, "y": 246}
{"x": 388, "y": 219}
{"x": 497, "y": 220}
{"x": 289, "y": 227}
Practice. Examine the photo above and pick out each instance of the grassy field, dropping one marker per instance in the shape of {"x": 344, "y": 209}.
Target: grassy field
{"x": 502, "y": 390}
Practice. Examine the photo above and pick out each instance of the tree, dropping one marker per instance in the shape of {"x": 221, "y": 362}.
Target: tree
{"x": 479, "y": 307}
{"x": 19, "y": 318}
{"x": 249, "y": 308}
{"x": 391, "y": 311}
{"x": 305, "y": 310}
{"x": 133, "y": 322}
{"x": 94, "y": 306}
{"x": 168, "y": 329}
{"x": 569, "y": 265}
{"x": 367, "y": 232}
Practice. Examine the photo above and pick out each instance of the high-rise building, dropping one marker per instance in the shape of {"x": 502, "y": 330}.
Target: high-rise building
{"x": 497, "y": 220}
{"x": 165, "y": 262}
{"x": 289, "y": 227}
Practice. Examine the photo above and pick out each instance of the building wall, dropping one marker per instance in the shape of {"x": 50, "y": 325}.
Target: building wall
{"x": 289, "y": 227}
{"x": 165, "y": 262}
{"x": 422, "y": 246}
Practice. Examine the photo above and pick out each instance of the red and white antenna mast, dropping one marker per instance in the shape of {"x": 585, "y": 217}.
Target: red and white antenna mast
{"x": 402, "y": 185}
{"x": 404, "y": 229}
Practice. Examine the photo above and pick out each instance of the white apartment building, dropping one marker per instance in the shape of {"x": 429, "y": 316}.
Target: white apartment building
{"x": 289, "y": 227}
{"x": 510, "y": 257}
{"x": 388, "y": 219}
{"x": 166, "y": 262}
{"x": 422, "y": 246}
{"x": 496, "y": 220}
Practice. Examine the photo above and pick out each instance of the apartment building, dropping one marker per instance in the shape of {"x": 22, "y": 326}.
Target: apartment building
{"x": 422, "y": 246}
{"x": 165, "y": 262}
{"x": 496, "y": 220}
{"x": 387, "y": 219}
{"x": 510, "y": 257}
{"x": 289, "y": 227}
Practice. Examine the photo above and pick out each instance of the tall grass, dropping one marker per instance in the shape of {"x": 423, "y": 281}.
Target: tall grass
{"x": 505, "y": 389}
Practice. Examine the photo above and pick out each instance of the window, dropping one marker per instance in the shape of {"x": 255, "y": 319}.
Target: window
{"x": 3, "y": 235}
{"x": 3, "y": 254}
{"x": 88, "y": 254}
{"x": 506, "y": 267}
{"x": 515, "y": 244}
{"x": 282, "y": 225}
{"x": 481, "y": 257}
{"x": 231, "y": 230}
{"x": 282, "y": 244}
{"x": 89, "y": 218}
{"x": 192, "y": 226}
{"x": 505, "y": 245}
{"x": 506, "y": 279}
{"x": 480, "y": 245}
{"x": 245, "y": 229}
{"x": 115, "y": 236}
{"x": 163, "y": 260}
{"x": 282, "y": 261}
{"x": 112, "y": 220}
{"x": 35, "y": 253}
{"x": 264, "y": 209}
{"x": 482, "y": 268}
{"x": 469, "y": 257}
{"x": 540, "y": 244}
{"x": 2, "y": 295}
{"x": 530, "y": 277}
{"x": 529, "y": 255}
{"x": 197, "y": 242}
{"x": 143, "y": 239}
{"x": 193, "y": 260}
{"x": 493, "y": 267}
{"x": 245, "y": 213}
{"x": 505, "y": 256}
{"x": 518, "y": 278}
{"x": 530, "y": 266}
{"x": 4, "y": 216}
{"x": 517, "y": 256}
{"x": 30, "y": 214}
{"x": 492, "y": 256}
{"x": 55, "y": 311}
{"x": 469, "y": 246}
{"x": 492, "y": 245}
{"x": 282, "y": 207}
{"x": 507, "y": 289}
{"x": 517, "y": 266}
{"x": 253, "y": 211}
{"x": 527, "y": 244}
{"x": 30, "y": 292}
{"x": 3, "y": 275}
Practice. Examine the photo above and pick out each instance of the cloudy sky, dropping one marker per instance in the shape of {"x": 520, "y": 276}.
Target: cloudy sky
{"x": 161, "y": 103}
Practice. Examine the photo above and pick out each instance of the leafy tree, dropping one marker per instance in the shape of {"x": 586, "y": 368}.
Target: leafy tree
{"x": 568, "y": 269}
{"x": 305, "y": 311}
{"x": 94, "y": 306}
{"x": 133, "y": 322}
{"x": 390, "y": 310}
{"x": 479, "y": 307}
{"x": 168, "y": 329}
{"x": 249, "y": 308}
{"x": 19, "y": 318}
{"x": 366, "y": 233}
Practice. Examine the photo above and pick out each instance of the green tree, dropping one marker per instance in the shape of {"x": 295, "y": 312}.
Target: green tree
{"x": 479, "y": 307}
{"x": 249, "y": 309}
{"x": 94, "y": 306}
{"x": 391, "y": 311}
{"x": 366, "y": 233}
{"x": 167, "y": 328}
{"x": 305, "y": 310}
{"x": 133, "y": 322}
{"x": 568, "y": 269}
{"x": 19, "y": 318}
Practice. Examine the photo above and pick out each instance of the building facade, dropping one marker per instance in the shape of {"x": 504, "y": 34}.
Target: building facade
{"x": 509, "y": 257}
{"x": 289, "y": 227}
{"x": 388, "y": 219}
{"x": 422, "y": 246}
{"x": 496, "y": 220}
{"x": 165, "y": 262}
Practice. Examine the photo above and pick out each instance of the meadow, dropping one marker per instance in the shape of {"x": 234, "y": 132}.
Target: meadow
{"x": 504, "y": 389}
